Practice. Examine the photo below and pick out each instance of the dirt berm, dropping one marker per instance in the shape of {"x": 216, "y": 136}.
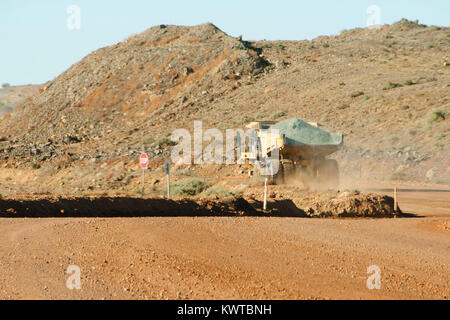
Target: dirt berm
{"x": 46, "y": 207}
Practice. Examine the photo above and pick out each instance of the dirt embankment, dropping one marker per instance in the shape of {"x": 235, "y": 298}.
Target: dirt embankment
{"x": 345, "y": 206}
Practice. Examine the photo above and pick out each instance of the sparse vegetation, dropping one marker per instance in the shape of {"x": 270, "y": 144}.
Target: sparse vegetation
{"x": 357, "y": 94}
{"x": 436, "y": 116}
{"x": 390, "y": 45}
{"x": 409, "y": 82}
{"x": 190, "y": 187}
{"x": 393, "y": 85}
{"x": 244, "y": 120}
{"x": 281, "y": 47}
{"x": 35, "y": 165}
{"x": 166, "y": 142}
{"x": 278, "y": 115}
{"x": 6, "y": 85}
{"x": 343, "y": 106}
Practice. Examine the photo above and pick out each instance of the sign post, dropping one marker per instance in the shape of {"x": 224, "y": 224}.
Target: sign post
{"x": 266, "y": 189}
{"x": 266, "y": 185}
{"x": 167, "y": 170}
{"x": 143, "y": 161}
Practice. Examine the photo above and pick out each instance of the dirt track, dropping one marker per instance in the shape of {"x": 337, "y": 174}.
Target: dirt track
{"x": 230, "y": 257}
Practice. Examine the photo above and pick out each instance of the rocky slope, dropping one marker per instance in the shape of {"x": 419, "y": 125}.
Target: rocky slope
{"x": 387, "y": 90}
{"x": 12, "y": 96}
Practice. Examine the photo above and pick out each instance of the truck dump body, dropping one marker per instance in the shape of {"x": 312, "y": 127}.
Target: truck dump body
{"x": 303, "y": 140}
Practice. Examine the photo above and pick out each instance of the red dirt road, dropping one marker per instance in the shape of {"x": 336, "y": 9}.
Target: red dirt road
{"x": 231, "y": 258}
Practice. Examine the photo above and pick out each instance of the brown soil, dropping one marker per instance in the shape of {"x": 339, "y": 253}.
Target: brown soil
{"x": 341, "y": 207}
{"x": 224, "y": 258}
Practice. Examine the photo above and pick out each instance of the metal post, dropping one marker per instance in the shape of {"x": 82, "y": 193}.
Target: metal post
{"x": 143, "y": 182}
{"x": 266, "y": 187}
{"x": 168, "y": 186}
{"x": 395, "y": 200}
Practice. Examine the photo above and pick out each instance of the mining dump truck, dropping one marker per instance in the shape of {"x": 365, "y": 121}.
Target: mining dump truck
{"x": 302, "y": 149}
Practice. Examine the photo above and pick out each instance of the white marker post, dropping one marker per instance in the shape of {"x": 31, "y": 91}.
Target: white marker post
{"x": 395, "y": 200}
{"x": 266, "y": 186}
{"x": 266, "y": 189}
{"x": 167, "y": 170}
{"x": 144, "y": 165}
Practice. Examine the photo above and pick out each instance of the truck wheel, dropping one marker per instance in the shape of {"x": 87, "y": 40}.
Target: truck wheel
{"x": 279, "y": 178}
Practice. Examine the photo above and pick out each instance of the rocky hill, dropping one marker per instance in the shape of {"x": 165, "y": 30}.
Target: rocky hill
{"x": 387, "y": 90}
{"x": 12, "y": 96}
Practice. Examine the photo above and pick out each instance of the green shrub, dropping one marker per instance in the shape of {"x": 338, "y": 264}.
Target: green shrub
{"x": 166, "y": 142}
{"x": 244, "y": 120}
{"x": 390, "y": 45}
{"x": 278, "y": 115}
{"x": 436, "y": 116}
{"x": 281, "y": 47}
{"x": 6, "y": 85}
{"x": 393, "y": 85}
{"x": 35, "y": 165}
{"x": 357, "y": 94}
{"x": 190, "y": 187}
{"x": 409, "y": 82}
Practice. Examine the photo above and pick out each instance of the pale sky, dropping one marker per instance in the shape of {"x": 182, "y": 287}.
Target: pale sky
{"x": 37, "y": 44}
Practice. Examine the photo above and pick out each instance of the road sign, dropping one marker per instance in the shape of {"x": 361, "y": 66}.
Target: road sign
{"x": 144, "y": 161}
{"x": 167, "y": 167}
